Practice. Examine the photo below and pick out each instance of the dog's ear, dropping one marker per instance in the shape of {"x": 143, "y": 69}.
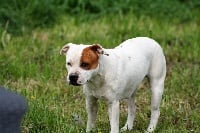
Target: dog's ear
{"x": 64, "y": 49}
{"x": 98, "y": 49}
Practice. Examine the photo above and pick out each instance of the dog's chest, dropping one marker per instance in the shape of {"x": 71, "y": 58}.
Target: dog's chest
{"x": 98, "y": 93}
{"x": 95, "y": 88}
{"x": 99, "y": 89}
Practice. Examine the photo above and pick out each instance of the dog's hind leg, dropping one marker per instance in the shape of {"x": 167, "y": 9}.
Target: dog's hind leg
{"x": 131, "y": 113}
{"x": 157, "y": 87}
{"x": 157, "y": 76}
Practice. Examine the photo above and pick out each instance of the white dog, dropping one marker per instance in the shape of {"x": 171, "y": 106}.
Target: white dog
{"x": 114, "y": 74}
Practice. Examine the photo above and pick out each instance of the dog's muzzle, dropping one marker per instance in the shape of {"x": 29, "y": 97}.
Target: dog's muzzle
{"x": 73, "y": 78}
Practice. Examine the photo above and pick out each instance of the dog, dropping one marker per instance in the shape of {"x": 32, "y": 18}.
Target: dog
{"x": 114, "y": 74}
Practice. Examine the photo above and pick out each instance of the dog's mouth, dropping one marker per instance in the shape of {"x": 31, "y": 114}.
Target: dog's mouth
{"x": 74, "y": 83}
{"x": 75, "y": 80}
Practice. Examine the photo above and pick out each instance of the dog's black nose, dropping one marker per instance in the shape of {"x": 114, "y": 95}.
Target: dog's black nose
{"x": 73, "y": 79}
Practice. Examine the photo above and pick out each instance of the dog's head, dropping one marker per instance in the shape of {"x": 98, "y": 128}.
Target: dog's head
{"x": 82, "y": 62}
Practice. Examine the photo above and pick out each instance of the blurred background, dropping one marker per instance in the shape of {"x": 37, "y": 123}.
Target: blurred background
{"x": 19, "y": 15}
{"x": 33, "y": 31}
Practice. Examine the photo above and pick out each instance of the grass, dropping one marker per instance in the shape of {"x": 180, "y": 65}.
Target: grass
{"x": 30, "y": 64}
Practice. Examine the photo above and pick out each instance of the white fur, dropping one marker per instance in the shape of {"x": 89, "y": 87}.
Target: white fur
{"x": 117, "y": 77}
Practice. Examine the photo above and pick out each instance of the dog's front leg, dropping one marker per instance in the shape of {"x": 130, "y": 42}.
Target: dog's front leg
{"x": 92, "y": 108}
{"x": 131, "y": 113}
{"x": 113, "y": 111}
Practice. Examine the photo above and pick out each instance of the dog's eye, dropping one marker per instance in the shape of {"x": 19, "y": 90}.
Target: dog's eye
{"x": 69, "y": 64}
{"x": 84, "y": 65}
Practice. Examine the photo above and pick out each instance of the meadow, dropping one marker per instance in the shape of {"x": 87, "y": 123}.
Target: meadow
{"x": 30, "y": 63}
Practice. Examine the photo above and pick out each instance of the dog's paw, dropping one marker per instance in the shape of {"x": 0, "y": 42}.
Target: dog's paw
{"x": 125, "y": 128}
{"x": 150, "y": 129}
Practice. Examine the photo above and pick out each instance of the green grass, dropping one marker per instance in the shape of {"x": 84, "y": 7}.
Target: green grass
{"x": 31, "y": 65}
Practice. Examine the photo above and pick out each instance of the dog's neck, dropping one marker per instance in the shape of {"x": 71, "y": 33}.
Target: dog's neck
{"x": 108, "y": 61}
{"x": 104, "y": 70}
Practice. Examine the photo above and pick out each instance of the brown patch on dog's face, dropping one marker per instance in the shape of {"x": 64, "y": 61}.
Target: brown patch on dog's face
{"x": 89, "y": 58}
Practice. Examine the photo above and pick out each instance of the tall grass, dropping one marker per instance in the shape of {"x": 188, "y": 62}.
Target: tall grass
{"x": 27, "y": 14}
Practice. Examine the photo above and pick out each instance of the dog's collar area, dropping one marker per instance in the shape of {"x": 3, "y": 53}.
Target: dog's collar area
{"x": 98, "y": 75}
